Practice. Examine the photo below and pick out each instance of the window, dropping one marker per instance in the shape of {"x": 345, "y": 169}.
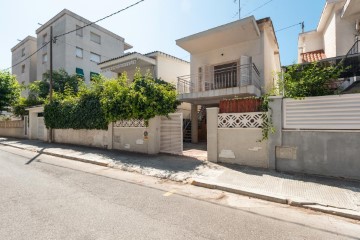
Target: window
{"x": 23, "y": 68}
{"x": 44, "y": 58}
{"x": 95, "y": 38}
{"x": 93, "y": 74}
{"x": 225, "y": 76}
{"x": 79, "y": 31}
{"x": 95, "y": 57}
{"x": 80, "y": 72}
{"x": 44, "y": 39}
{"x": 23, "y": 52}
{"x": 79, "y": 52}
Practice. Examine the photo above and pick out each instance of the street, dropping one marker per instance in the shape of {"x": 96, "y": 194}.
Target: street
{"x": 46, "y": 197}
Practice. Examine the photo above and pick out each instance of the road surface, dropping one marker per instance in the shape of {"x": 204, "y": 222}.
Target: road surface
{"x": 45, "y": 197}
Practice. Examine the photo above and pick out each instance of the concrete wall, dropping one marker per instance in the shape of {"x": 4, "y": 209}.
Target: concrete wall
{"x": 132, "y": 139}
{"x": 12, "y": 129}
{"x": 83, "y": 137}
{"x": 235, "y": 145}
{"x": 330, "y": 153}
{"x": 241, "y": 146}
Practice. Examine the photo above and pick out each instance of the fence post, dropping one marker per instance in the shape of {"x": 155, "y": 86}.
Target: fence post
{"x": 275, "y": 139}
{"x": 212, "y": 134}
{"x": 110, "y": 133}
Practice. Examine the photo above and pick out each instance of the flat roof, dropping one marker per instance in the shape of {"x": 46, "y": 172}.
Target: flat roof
{"x": 25, "y": 40}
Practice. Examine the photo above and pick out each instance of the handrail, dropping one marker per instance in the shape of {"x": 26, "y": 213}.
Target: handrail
{"x": 226, "y": 77}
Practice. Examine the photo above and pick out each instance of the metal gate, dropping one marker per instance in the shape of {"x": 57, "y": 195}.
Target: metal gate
{"x": 171, "y": 134}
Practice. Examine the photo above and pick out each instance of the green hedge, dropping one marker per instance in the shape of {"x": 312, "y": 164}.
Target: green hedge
{"x": 86, "y": 113}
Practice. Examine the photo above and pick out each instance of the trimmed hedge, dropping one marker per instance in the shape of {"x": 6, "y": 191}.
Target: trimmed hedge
{"x": 83, "y": 114}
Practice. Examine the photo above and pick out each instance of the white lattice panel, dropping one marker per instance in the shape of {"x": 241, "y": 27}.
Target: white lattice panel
{"x": 130, "y": 123}
{"x": 326, "y": 112}
{"x": 241, "y": 120}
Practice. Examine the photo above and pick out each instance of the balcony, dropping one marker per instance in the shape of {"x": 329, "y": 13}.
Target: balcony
{"x": 214, "y": 83}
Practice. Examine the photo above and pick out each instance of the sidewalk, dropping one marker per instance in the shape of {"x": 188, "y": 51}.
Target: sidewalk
{"x": 339, "y": 197}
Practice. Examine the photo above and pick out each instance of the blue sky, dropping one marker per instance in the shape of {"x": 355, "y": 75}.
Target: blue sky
{"x": 156, "y": 24}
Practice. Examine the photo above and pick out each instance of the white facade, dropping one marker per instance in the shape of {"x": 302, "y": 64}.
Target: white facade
{"x": 337, "y": 30}
{"x": 248, "y": 44}
{"x": 25, "y": 72}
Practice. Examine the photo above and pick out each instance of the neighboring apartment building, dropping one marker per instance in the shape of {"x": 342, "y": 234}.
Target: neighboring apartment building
{"x": 160, "y": 65}
{"x": 238, "y": 59}
{"x": 336, "y": 33}
{"x": 78, "y": 52}
{"x": 25, "y": 71}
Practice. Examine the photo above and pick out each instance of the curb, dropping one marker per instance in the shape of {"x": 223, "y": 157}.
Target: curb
{"x": 103, "y": 164}
{"x": 278, "y": 199}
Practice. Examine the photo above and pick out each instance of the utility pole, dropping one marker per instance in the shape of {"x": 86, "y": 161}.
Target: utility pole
{"x": 51, "y": 77}
{"x": 239, "y": 9}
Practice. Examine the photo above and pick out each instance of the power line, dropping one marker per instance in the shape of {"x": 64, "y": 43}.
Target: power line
{"x": 300, "y": 23}
{"x": 54, "y": 38}
{"x": 27, "y": 57}
{"x": 101, "y": 19}
{"x": 258, "y": 7}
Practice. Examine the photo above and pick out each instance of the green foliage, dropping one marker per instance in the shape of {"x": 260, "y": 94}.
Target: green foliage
{"x": 313, "y": 79}
{"x": 62, "y": 81}
{"x": 82, "y": 112}
{"x": 109, "y": 100}
{"x": 10, "y": 91}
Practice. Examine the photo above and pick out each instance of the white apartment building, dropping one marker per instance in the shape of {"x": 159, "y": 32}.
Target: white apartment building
{"x": 25, "y": 71}
{"x": 78, "y": 52}
{"x": 337, "y": 32}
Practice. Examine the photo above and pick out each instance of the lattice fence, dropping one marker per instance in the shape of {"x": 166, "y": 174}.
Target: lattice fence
{"x": 12, "y": 124}
{"x": 241, "y": 120}
{"x": 130, "y": 123}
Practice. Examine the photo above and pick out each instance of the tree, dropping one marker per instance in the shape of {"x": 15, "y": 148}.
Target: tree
{"x": 10, "y": 91}
{"x": 314, "y": 79}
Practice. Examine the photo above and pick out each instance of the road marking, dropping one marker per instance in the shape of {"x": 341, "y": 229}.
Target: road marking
{"x": 169, "y": 193}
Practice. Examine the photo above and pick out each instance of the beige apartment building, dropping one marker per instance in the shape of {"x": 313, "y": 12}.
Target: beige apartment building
{"x": 26, "y": 70}
{"x": 77, "y": 52}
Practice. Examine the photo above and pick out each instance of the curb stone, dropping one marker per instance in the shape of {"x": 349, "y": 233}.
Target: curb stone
{"x": 103, "y": 164}
{"x": 279, "y": 199}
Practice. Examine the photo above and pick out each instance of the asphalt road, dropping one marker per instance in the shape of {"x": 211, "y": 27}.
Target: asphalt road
{"x": 43, "y": 197}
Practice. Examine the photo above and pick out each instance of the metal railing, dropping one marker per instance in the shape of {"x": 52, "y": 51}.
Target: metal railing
{"x": 220, "y": 78}
{"x": 354, "y": 49}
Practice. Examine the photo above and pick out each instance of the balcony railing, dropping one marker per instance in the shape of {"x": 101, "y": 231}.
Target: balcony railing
{"x": 220, "y": 78}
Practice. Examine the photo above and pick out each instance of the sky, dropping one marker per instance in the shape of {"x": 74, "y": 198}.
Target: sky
{"x": 154, "y": 25}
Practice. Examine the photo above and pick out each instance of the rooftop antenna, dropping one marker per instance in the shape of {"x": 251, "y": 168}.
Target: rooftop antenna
{"x": 239, "y": 8}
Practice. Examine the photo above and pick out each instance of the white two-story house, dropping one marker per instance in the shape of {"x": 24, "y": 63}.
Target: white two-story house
{"x": 336, "y": 39}
{"x": 337, "y": 32}
{"x": 238, "y": 59}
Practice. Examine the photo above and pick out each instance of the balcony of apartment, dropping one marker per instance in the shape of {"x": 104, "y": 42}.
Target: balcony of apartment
{"x": 213, "y": 83}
